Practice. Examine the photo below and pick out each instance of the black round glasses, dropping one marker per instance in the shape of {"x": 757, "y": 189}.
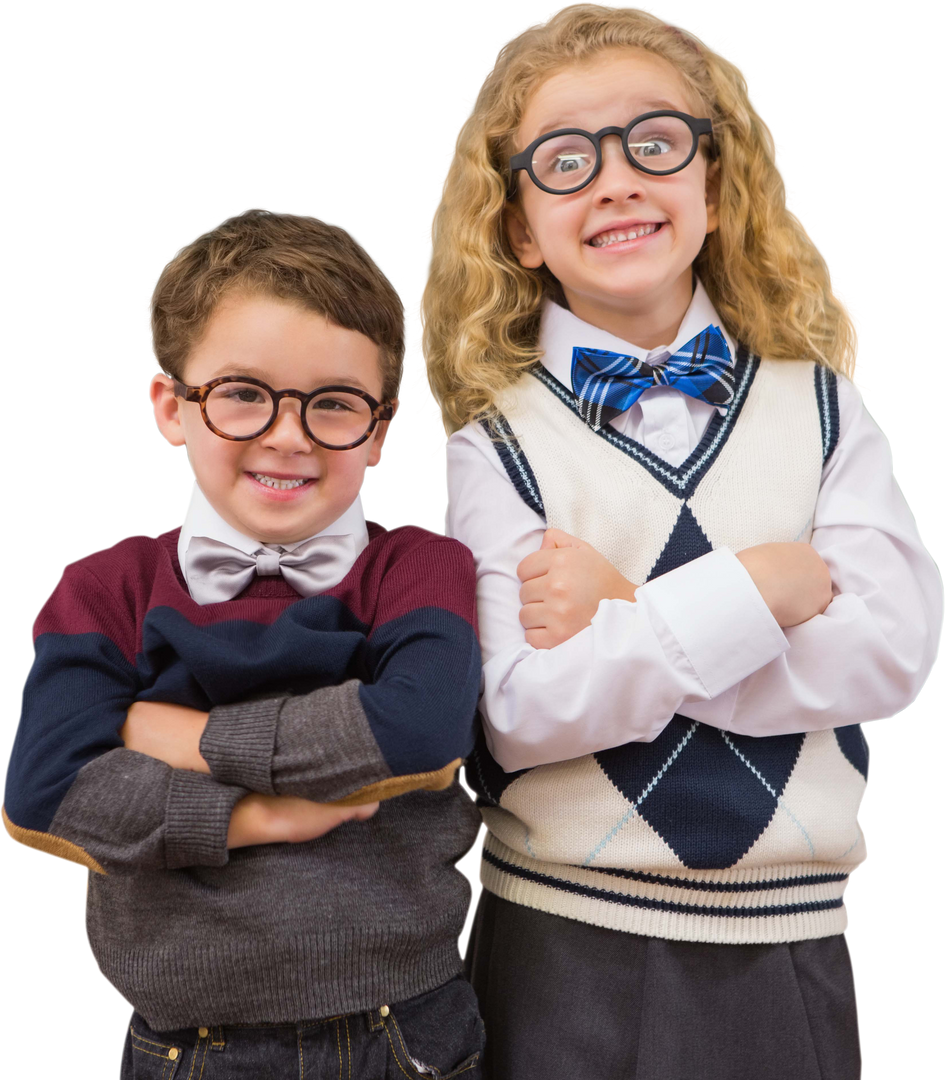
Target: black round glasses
{"x": 239, "y": 408}
{"x": 659, "y": 143}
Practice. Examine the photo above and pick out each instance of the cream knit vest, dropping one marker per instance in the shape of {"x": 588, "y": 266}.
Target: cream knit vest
{"x": 700, "y": 835}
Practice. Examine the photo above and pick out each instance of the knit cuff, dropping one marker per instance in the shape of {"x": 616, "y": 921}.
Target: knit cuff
{"x": 238, "y": 743}
{"x": 197, "y": 819}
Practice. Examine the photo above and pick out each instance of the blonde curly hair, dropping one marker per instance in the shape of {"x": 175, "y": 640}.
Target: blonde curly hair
{"x": 482, "y": 309}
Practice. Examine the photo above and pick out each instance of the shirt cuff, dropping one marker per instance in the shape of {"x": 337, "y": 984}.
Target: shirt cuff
{"x": 726, "y": 635}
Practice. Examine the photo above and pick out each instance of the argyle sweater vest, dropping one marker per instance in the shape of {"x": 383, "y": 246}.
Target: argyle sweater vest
{"x": 700, "y": 835}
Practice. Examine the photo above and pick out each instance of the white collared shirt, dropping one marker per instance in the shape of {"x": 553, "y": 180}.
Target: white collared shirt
{"x": 664, "y": 420}
{"x": 203, "y": 520}
{"x": 624, "y": 676}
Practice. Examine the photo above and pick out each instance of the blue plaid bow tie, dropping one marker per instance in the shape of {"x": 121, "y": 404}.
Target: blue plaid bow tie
{"x": 608, "y": 383}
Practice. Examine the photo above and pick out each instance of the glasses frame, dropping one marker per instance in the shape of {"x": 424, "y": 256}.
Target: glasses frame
{"x": 379, "y": 410}
{"x": 523, "y": 160}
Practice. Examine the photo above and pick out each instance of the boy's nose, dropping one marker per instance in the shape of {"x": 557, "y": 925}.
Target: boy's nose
{"x": 287, "y": 434}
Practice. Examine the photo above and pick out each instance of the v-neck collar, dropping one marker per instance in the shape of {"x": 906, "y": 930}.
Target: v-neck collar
{"x": 681, "y": 480}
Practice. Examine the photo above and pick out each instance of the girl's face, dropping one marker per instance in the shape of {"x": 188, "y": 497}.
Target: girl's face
{"x": 608, "y": 280}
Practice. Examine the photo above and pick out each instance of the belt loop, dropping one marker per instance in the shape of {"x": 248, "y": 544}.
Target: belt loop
{"x": 375, "y": 1020}
{"x": 218, "y": 1042}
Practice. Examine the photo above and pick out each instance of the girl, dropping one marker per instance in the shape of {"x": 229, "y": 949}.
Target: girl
{"x": 696, "y": 573}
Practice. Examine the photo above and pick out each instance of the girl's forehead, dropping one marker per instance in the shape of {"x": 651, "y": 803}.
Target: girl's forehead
{"x": 608, "y": 88}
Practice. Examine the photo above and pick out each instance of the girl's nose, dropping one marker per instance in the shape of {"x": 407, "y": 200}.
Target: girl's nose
{"x": 617, "y": 180}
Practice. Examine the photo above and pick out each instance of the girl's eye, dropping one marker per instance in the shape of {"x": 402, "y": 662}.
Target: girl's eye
{"x": 330, "y": 405}
{"x": 655, "y": 147}
{"x": 565, "y": 163}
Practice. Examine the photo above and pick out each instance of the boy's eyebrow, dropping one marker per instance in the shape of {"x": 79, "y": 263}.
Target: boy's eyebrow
{"x": 264, "y": 376}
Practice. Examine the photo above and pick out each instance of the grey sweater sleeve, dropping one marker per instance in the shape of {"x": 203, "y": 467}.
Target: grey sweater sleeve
{"x": 128, "y": 812}
{"x": 317, "y": 746}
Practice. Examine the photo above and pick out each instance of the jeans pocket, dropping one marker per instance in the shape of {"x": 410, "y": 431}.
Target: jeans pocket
{"x": 151, "y": 1057}
{"x": 438, "y": 1035}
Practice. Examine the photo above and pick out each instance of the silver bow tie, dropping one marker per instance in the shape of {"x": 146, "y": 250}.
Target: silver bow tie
{"x": 216, "y": 571}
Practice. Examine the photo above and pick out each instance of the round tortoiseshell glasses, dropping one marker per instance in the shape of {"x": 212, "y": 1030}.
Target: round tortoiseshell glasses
{"x": 239, "y": 408}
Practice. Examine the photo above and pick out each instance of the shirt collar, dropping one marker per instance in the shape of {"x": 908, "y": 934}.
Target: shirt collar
{"x": 561, "y": 331}
{"x": 203, "y": 520}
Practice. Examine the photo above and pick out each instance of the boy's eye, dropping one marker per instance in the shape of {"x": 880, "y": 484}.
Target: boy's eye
{"x": 236, "y": 394}
{"x": 330, "y": 404}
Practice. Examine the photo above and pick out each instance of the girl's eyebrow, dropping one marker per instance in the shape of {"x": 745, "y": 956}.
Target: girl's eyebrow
{"x": 644, "y": 107}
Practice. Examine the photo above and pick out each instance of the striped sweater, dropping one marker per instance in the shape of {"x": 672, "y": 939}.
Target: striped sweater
{"x": 364, "y": 692}
{"x": 701, "y": 834}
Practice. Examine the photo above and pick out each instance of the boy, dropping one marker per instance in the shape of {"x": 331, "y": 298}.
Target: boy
{"x": 235, "y": 911}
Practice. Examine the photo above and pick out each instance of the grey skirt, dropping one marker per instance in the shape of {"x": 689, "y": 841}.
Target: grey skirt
{"x": 565, "y": 999}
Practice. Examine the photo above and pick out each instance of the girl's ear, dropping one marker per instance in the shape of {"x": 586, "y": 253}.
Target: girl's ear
{"x": 520, "y": 238}
{"x": 713, "y": 179}
{"x": 167, "y": 409}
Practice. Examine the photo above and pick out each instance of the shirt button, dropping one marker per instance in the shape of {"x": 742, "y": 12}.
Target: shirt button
{"x": 666, "y": 441}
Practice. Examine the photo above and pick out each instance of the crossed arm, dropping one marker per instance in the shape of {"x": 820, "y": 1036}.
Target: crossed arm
{"x": 172, "y": 733}
{"x": 563, "y": 584}
{"x": 255, "y": 772}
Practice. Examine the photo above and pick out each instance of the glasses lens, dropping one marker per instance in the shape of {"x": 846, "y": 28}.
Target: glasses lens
{"x": 564, "y": 162}
{"x": 237, "y": 408}
{"x": 660, "y": 144}
{"x": 338, "y": 419}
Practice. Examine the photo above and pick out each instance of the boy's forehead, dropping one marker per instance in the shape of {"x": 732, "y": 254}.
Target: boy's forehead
{"x": 279, "y": 341}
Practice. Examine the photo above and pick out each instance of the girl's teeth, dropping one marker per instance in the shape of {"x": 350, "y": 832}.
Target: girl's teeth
{"x": 603, "y": 239}
{"x": 279, "y": 485}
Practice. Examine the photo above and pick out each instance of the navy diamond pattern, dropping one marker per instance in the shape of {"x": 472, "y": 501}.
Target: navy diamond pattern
{"x": 708, "y": 794}
{"x": 852, "y": 742}
{"x": 686, "y": 542}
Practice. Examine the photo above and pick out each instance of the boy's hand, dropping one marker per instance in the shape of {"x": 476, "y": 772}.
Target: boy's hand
{"x": 792, "y": 578}
{"x": 286, "y": 819}
{"x": 563, "y": 584}
{"x": 170, "y": 733}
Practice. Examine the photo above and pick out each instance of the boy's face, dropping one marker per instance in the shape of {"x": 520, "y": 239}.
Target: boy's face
{"x": 583, "y": 237}
{"x": 287, "y": 347}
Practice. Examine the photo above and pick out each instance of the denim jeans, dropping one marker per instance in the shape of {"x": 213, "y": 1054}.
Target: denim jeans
{"x": 435, "y": 1036}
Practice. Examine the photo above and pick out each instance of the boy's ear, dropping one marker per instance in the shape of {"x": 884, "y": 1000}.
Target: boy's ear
{"x": 713, "y": 179}
{"x": 167, "y": 409}
{"x": 520, "y": 238}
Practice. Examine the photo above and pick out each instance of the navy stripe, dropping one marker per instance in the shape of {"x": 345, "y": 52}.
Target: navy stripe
{"x": 514, "y": 461}
{"x": 681, "y": 480}
{"x": 720, "y": 886}
{"x": 828, "y": 407}
{"x": 659, "y": 905}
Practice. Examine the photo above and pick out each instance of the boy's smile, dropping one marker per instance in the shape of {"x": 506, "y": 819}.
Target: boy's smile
{"x": 622, "y": 247}
{"x": 280, "y": 487}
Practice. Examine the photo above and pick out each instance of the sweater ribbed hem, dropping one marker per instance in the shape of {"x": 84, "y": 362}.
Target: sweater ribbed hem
{"x": 282, "y": 981}
{"x": 776, "y": 904}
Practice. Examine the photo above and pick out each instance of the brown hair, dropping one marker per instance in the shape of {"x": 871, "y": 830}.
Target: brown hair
{"x": 482, "y": 309}
{"x": 299, "y": 259}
